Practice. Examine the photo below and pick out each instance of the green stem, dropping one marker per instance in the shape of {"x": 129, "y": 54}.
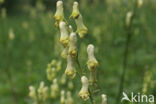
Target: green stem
{"x": 90, "y": 94}
{"x": 91, "y": 97}
{"x": 78, "y": 63}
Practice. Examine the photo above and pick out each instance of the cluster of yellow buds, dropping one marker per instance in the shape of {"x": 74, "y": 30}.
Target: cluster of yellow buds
{"x": 52, "y": 69}
{"x": 104, "y": 99}
{"x": 41, "y": 95}
{"x": 68, "y": 99}
{"x": 32, "y": 93}
{"x": 70, "y": 70}
{"x": 84, "y": 93}
{"x": 54, "y": 89}
{"x": 42, "y": 92}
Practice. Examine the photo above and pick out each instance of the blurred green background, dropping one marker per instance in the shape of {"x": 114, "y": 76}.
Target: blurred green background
{"x": 29, "y": 41}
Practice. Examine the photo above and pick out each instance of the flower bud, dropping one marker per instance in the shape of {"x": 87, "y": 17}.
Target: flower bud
{"x": 64, "y": 39}
{"x": 63, "y": 79}
{"x": 42, "y": 92}
{"x": 70, "y": 29}
{"x": 92, "y": 62}
{"x": 104, "y": 99}
{"x": 75, "y": 12}
{"x": 11, "y": 34}
{"x": 58, "y": 65}
{"x": 84, "y": 93}
{"x": 3, "y": 13}
{"x": 70, "y": 85}
{"x": 1, "y": 1}
{"x": 62, "y": 100}
{"x": 69, "y": 98}
{"x": 140, "y": 3}
{"x": 51, "y": 73}
{"x": 54, "y": 89}
{"x": 59, "y": 15}
{"x": 70, "y": 70}
{"x": 128, "y": 18}
{"x": 64, "y": 53}
{"x": 81, "y": 28}
{"x": 32, "y": 92}
{"x": 72, "y": 45}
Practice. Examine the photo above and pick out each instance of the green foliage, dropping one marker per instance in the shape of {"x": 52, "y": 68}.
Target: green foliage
{"x": 24, "y": 55}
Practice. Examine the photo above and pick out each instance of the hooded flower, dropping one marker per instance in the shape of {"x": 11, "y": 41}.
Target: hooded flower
{"x": 42, "y": 92}
{"x": 128, "y": 18}
{"x": 104, "y": 99}
{"x": 75, "y": 12}
{"x": 92, "y": 62}
{"x": 81, "y": 28}
{"x": 32, "y": 92}
{"x": 140, "y": 3}
{"x": 72, "y": 45}
{"x": 54, "y": 89}
{"x": 84, "y": 93}
{"x": 62, "y": 100}
{"x": 64, "y": 53}
{"x": 69, "y": 99}
{"x": 70, "y": 70}
{"x": 64, "y": 39}
{"x": 59, "y": 15}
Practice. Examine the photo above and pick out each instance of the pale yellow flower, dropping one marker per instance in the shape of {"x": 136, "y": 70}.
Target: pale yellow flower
{"x": 62, "y": 100}
{"x": 59, "y": 15}
{"x": 140, "y": 3}
{"x": 42, "y": 92}
{"x": 128, "y": 18}
{"x": 64, "y": 53}
{"x": 75, "y": 13}
{"x": 104, "y": 99}
{"x": 81, "y": 28}
{"x": 70, "y": 70}
{"x": 69, "y": 99}
{"x": 72, "y": 45}
{"x": 64, "y": 39}
{"x": 92, "y": 62}
{"x": 32, "y": 92}
{"x": 84, "y": 93}
{"x": 11, "y": 34}
{"x": 54, "y": 89}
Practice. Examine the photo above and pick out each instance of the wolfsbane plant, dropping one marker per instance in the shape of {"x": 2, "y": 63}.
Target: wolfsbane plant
{"x": 70, "y": 50}
{"x": 68, "y": 39}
